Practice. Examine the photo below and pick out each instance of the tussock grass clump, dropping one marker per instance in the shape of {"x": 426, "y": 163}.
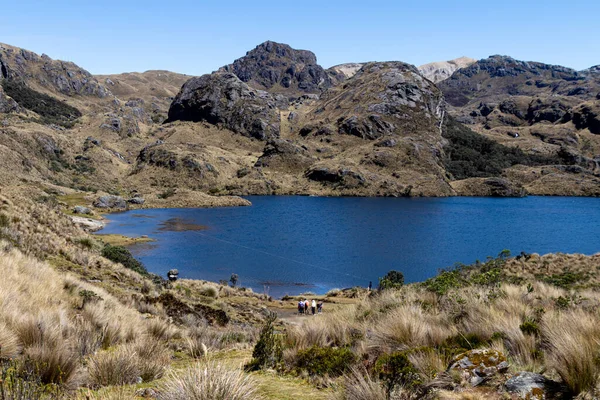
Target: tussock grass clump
{"x": 113, "y": 368}
{"x": 209, "y": 291}
{"x": 209, "y": 381}
{"x": 9, "y": 343}
{"x": 53, "y": 364}
{"x": 358, "y": 385}
{"x": 574, "y": 339}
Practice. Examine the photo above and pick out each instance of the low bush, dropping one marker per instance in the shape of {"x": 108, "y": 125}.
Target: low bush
{"x": 120, "y": 254}
{"x": 565, "y": 280}
{"x": 321, "y": 361}
{"x": 209, "y": 381}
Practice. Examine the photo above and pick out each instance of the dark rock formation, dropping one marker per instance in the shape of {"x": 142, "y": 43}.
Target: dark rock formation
{"x": 284, "y": 154}
{"x": 500, "y": 187}
{"x": 587, "y": 116}
{"x": 111, "y": 201}
{"x": 342, "y": 177}
{"x": 278, "y": 68}
{"x": 222, "y": 98}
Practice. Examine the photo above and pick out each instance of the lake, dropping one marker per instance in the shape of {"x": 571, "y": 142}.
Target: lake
{"x": 296, "y": 244}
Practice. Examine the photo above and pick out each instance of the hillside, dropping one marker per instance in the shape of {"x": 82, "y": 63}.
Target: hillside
{"x": 275, "y": 122}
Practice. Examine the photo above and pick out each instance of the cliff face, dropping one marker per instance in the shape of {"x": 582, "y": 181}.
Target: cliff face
{"x": 222, "y": 98}
{"x": 442, "y": 70}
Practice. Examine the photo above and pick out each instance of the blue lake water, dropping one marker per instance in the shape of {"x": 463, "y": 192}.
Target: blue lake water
{"x": 294, "y": 244}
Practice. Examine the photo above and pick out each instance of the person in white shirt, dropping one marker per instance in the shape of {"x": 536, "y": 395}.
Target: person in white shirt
{"x": 313, "y": 307}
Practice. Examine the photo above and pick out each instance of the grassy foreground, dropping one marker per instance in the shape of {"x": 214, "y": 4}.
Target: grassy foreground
{"x": 74, "y": 324}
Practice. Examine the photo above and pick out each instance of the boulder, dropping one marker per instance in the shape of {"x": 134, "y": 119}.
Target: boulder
{"x": 136, "y": 200}
{"x": 527, "y": 385}
{"x": 284, "y": 154}
{"x": 223, "y": 99}
{"x": 88, "y": 224}
{"x": 476, "y": 366}
{"x": 81, "y": 210}
{"x": 111, "y": 201}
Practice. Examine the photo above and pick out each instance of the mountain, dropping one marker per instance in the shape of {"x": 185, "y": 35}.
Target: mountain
{"x": 275, "y": 122}
{"x": 442, "y": 70}
{"x": 278, "y": 68}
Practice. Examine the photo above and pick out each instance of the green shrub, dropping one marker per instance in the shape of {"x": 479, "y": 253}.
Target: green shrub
{"x": 268, "y": 351}
{"x": 565, "y": 280}
{"x": 530, "y": 327}
{"x": 52, "y": 110}
{"x": 120, "y": 254}
{"x": 445, "y": 281}
{"x": 322, "y": 361}
{"x": 396, "y": 369}
{"x": 392, "y": 280}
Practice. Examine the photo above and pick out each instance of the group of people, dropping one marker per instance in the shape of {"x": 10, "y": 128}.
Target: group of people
{"x": 306, "y": 307}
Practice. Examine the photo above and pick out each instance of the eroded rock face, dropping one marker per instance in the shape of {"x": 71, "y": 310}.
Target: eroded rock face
{"x": 278, "y": 68}
{"x": 64, "y": 77}
{"x": 222, "y": 98}
{"x": 480, "y": 364}
{"x": 341, "y": 177}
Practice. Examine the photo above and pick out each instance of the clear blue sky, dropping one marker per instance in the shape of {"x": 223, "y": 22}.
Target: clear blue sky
{"x": 197, "y": 37}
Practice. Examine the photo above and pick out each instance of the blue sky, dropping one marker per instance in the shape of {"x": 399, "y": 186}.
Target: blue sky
{"x": 197, "y": 37}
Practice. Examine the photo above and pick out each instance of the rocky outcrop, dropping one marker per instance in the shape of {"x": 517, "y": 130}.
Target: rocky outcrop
{"x": 223, "y": 99}
{"x": 587, "y": 116}
{"x": 278, "y": 68}
{"x": 442, "y": 70}
{"x": 284, "y": 154}
{"x": 383, "y": 99}
{"x": 111, "y": 202}
{"x": 532, "y": 386}
{"x": 57, "y": 76}
{"x": 499, "y": 76}
{"x": 476, "y": 366}
{"x": 88, "y": 224}
{"x": 341, "y": 177}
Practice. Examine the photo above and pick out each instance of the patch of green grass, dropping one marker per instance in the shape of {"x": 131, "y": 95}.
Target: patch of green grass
{"x": 120, "y": 254}
{"x": 321, "y": 361}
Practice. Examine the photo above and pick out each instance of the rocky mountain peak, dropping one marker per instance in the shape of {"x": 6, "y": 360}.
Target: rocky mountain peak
{"x": 278, "y": 68}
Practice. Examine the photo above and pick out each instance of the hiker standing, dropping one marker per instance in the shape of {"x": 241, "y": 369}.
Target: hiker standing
{"x": 313, "y": 307}
{"x": 306, "y": 305}
{"x": 300, "y": 307}
{"x": 320, "y": 307}
{"x": 370, "y": 285}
